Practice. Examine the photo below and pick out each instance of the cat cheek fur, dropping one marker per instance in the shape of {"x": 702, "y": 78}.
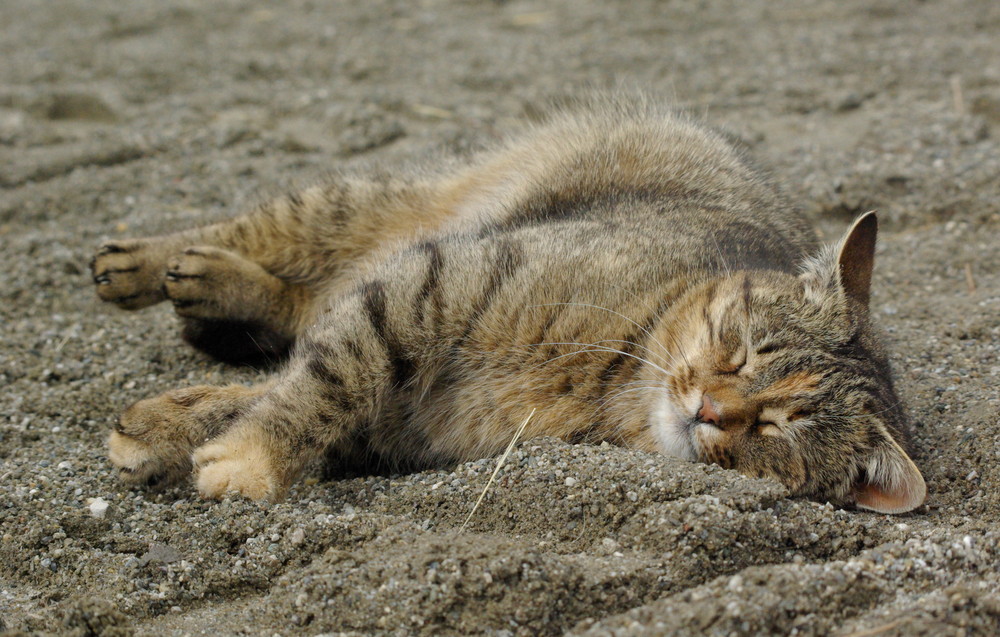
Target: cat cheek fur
{"x": 671, "y": 430}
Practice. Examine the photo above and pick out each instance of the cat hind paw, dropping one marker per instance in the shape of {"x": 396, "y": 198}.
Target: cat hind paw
{"x": 136, "y": 461}
{"x": 128, "y": 274}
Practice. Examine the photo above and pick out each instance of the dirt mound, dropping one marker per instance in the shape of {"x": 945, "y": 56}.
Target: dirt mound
{"x": 117, "y": 124}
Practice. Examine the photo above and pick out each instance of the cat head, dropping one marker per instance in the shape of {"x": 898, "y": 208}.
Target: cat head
{"x": 783, "y": 376}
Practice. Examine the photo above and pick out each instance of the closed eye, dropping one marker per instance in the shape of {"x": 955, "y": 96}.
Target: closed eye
{"x": 735, "y": 364}
{"x": 768, "y": 348}
{"x": 767, "y": 422}
{"x": 767, "y": 428}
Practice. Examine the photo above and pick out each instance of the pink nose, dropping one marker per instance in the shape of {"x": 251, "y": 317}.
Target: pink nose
{"x": 708, "y": 413}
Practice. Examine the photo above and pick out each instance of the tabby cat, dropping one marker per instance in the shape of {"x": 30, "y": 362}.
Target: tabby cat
{"x": 622, "y": 271}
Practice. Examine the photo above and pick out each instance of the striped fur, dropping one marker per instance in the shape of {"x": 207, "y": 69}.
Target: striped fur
{"x": 624, "y": 271}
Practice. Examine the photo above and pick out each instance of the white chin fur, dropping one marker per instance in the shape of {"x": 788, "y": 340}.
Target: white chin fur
{"x": 670, "y": 431}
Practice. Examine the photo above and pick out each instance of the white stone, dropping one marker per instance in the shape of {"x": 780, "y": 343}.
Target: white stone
{"x": 98, "y": 507}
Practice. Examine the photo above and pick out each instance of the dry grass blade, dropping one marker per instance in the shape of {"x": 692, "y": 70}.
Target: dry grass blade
{"x": 970, "y": 281}
{"x": 496, "y": 470}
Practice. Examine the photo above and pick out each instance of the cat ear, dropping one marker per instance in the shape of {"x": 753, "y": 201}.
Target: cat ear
{"x": 856, "y": 258}
{"x": 892, "y": 483}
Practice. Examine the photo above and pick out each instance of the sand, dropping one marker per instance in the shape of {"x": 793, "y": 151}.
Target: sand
{"x": 120, "y": 122}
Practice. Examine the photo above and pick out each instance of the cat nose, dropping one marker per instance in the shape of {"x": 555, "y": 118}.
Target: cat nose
{"x": 708, "y": 414}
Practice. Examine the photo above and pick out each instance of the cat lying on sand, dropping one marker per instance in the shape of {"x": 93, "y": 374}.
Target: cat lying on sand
{"x": 623, "y": 271}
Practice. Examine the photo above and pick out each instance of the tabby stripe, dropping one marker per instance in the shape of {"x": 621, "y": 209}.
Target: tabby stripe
{"x": 293, "y": 208}
{"x": 430, "y": 286}
{"x": 542, "y": 336}
{"x": 336, "y": 195}
{"x": 354, "y": 348}
{"x": 304, "y": 441}
{"x": 507, "y": 261}
{"x": 614, "y": 365}
{"x": 375, "y": 308}
{"x": 333, "y": 386}
{"x": 708, "y": 321}
{"x": 712, "y": 292}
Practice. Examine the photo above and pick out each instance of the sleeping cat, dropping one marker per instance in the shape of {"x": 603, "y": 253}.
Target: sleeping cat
{"x": 623, "y": 271}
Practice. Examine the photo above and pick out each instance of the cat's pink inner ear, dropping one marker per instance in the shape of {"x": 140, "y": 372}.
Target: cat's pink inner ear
{"x": 893, "y": 485}
{"x": 857, "y": 258}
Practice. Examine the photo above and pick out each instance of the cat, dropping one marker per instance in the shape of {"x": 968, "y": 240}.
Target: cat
{"x": 619, "y": 269}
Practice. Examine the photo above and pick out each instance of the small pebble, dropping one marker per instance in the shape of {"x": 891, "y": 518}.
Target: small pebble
{"x": 98, "y": 507}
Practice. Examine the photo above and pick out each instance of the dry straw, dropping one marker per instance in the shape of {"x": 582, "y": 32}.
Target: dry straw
{"x": 503, "y": 458}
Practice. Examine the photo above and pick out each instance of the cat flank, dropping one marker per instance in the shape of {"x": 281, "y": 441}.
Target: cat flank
{"x": 623, "y": 272}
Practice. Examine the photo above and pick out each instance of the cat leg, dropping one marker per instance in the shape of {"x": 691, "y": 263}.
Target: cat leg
{"x": 309, "y": 410}
{"x": 359, "y": 368}
{"x": 277, "y": 257}
{"x": 154, "y": 438}
{"x": 232, "y": 308}
{"x": 348, "y": 372}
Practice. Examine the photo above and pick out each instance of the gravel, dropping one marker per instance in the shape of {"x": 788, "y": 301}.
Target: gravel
{"x": 117, "y": 124}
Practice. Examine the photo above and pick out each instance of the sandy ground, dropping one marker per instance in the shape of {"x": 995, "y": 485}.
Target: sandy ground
{"x": 117, "y": 123}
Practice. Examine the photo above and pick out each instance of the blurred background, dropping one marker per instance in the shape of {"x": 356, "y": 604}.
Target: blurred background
{"x": 130, "y": 118}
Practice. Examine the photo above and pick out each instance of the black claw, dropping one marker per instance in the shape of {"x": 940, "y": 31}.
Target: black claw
{"x": 177, "y": 275}
{"x": 110, "y": 249}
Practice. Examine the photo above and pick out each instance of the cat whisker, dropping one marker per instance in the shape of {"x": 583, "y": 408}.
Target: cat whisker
{"x": 895, "y": 405}
{"x": 722, "y": 257}
{"x": 586, "y": 348}
{"x": 616, "y": 313}
{"x": 601, "y": 348}
{"x": 607, "y": 399}
{"x": 555, "y": 358}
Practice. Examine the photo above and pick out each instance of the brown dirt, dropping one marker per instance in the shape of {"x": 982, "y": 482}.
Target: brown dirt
{"x": 118, "y": 122}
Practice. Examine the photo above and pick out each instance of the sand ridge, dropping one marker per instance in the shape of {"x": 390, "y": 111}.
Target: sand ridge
{"x": 118, "y": 123}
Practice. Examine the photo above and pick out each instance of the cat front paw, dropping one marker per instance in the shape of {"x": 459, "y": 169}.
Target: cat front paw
{"x": 128, "y": 273}
{"x": 237, "y": 466}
